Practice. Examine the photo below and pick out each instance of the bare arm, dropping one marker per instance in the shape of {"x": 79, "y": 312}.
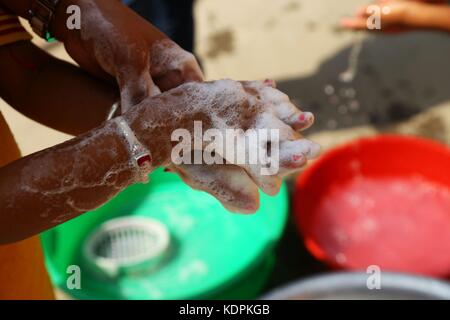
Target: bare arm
{"x": 19, "y": 7}
{"x": 52, "y": 186}
{"x": 47, "y": 188}
{"x": 430, "y": 16}
{"x": 51, "y": 91}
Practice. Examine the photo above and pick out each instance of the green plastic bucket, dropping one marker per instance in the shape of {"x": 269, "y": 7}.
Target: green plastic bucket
{"x": 211, "y": 254}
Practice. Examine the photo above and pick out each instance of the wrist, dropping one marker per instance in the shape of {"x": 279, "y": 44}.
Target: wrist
{"x": 153, "y": 133}
{"x": 58, "y": 25}
{"x": 140, "y": 157}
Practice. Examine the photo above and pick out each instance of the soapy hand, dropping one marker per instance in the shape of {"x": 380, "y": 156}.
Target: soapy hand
{"x": 224, "y": 105}
{"x": 115, "y": 41}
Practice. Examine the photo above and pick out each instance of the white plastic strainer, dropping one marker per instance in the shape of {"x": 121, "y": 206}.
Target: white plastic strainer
{"x": 126, "y": 245}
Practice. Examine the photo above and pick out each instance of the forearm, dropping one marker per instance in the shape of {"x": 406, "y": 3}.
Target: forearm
{"x": 53, "y": 92}
{"x": 67, "y": 99}
{"x": 58, "y": 24}
{"x": 47, "y": 188}
{"x": 430, "y": 17}
{"x": 19, "y": 7}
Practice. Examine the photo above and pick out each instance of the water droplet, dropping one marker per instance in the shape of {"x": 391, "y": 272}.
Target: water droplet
{"x": 341, "y": 258}
{"x": 350, "y": 93}
{"x": 354, "y": 105}
{"x": 329, "y": 90}
{"x": 334, "y": 100}
{"x": 342, "y": 109}
{"x": 346, "y": 76}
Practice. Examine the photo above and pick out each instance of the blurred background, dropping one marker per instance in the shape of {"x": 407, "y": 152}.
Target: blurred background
{"x": 401, "y": 84}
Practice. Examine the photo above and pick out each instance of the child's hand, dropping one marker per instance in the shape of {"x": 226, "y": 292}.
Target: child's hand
{"x": 222, "y": 105}
{"x": 397, "y": 15}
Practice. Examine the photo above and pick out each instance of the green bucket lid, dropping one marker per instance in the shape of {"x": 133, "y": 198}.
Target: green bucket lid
{"x": 209, "y": 252}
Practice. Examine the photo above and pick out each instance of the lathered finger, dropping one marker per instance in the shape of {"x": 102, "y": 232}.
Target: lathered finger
{"x": 295, "y": 154}
{"x": 279, "y": 103}
{"x": 266, "y": 179}
{"x": 296, "y": 119}
{"x": 227, "y": 183}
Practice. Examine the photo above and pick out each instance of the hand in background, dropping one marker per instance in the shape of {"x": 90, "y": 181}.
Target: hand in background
{"x": 403, "y": 15}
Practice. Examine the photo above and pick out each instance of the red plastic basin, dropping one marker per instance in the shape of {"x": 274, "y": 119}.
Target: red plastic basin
{"x": 382, "y": 201}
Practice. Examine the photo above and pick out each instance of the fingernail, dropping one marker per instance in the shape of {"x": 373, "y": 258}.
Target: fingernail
{"x": 306, "y": 117}
{"x": 269, "y": 82}
{"x": 309, "y": 116}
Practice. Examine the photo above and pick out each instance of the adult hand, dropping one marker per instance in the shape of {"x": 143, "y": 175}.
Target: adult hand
{"x": 223, "y": 105}
{"x": 115, "y": 41}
